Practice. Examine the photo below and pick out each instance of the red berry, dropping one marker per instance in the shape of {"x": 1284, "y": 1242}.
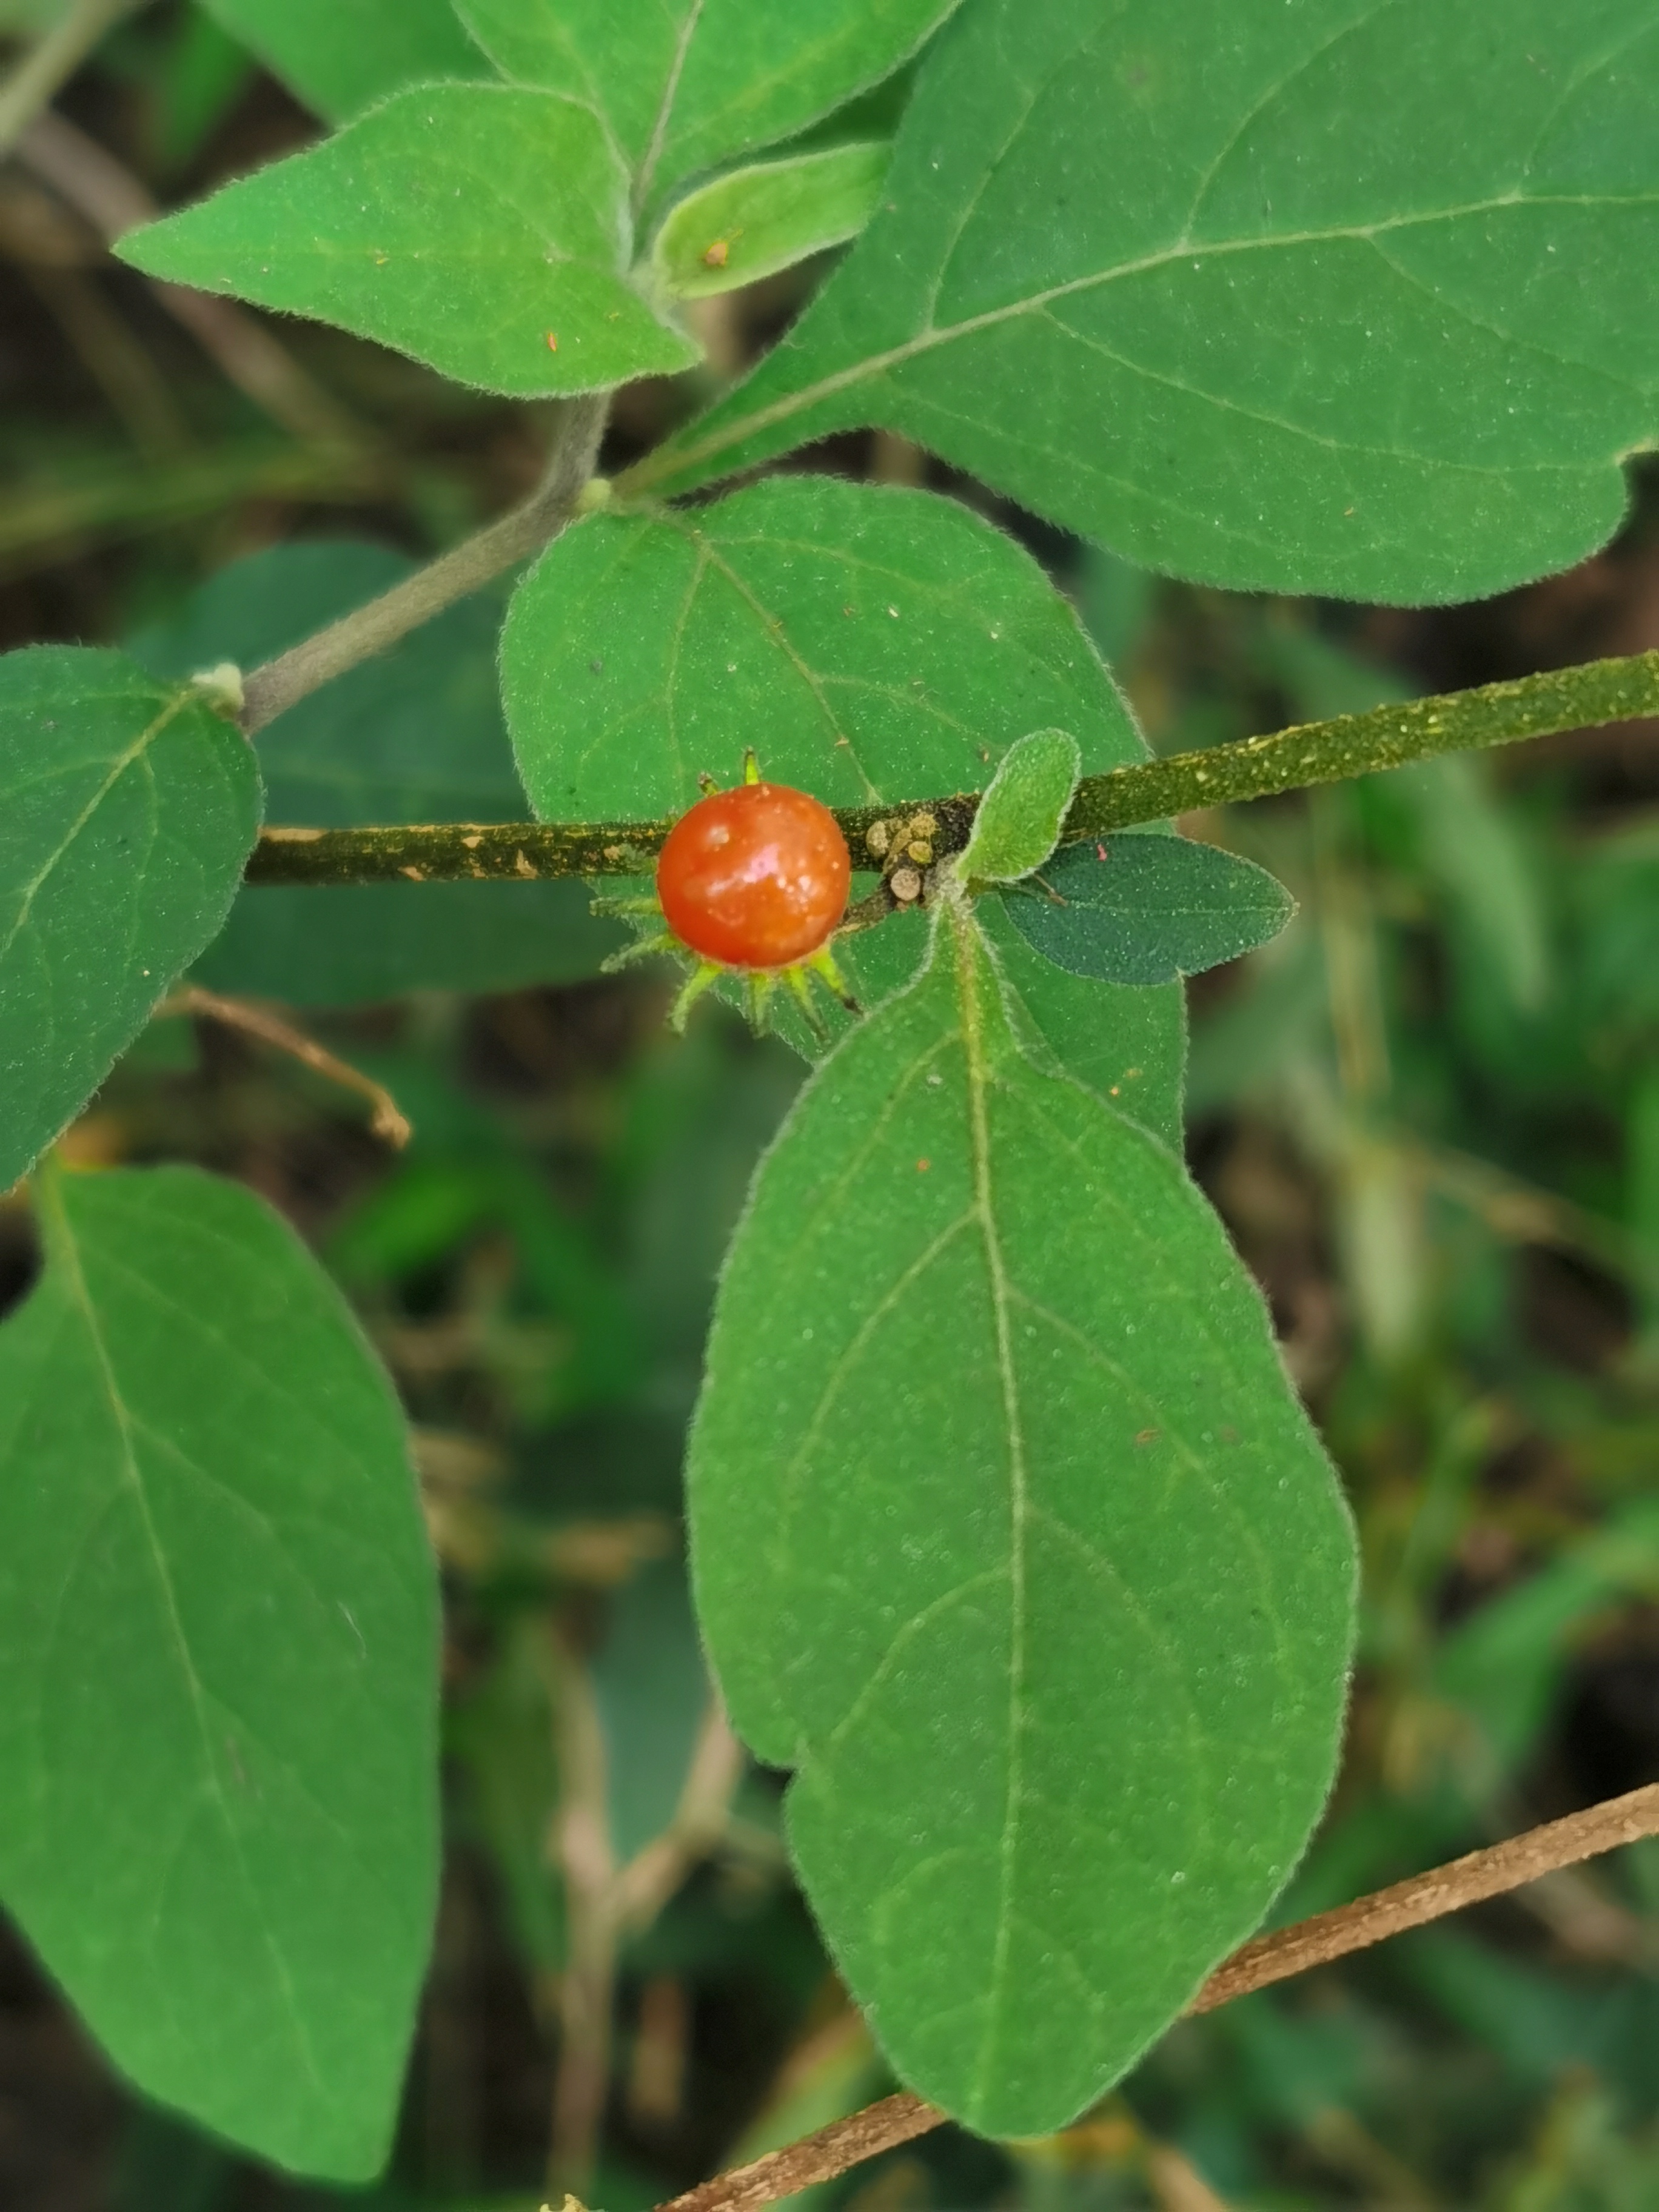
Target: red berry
{"x": 755, "y": 878}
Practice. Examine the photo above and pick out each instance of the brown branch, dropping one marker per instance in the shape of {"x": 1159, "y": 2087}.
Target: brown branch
{"x": 1425, "y": 1897}
{"x": 388, "y": 1118}
{"x": 815, "y": 2157}
{"x": 1152, "y": 791}
{"x": 1268, "y": 1958}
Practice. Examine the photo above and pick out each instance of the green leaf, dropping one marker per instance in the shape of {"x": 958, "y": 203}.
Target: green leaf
{"x": 337, "y": 56}
{"x": 685, "y": 84}
{"x": 218, "y": 1650}
{"x": 127, "y": 810}
{"x": 1140, "y": 908}
{"x": 414, "y": 735}
{"x": 1011, "y": 1537}
{"x": 1017, "y": 824}
{"x": 752, "y": 222}
{"x": 869, "y": 643}
{"x": 480, "y": 228}
{"x": 1129, "y": 1045}
{"x": 1259, "y": 294}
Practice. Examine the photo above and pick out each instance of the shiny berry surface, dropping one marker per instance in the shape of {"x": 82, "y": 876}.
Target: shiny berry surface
{"x": 754, "y": 877}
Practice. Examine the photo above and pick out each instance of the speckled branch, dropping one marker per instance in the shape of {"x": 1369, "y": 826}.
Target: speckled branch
{"x": 1600, "y": 691}
{"x": 1317, "y": 1942}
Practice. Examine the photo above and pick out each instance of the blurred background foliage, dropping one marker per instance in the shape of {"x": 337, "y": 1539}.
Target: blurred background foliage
{"x": 1429, "y": 1114}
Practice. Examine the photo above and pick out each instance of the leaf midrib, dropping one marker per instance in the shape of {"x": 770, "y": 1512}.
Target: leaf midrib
{"x": 659, "y": 137}
{"x": 968, "y": 950}
{"x": 66, "y": 1251}
{"x": 775, "y": 631}
{"x": 669, "y": 461}
{"x": 118, "y": 768}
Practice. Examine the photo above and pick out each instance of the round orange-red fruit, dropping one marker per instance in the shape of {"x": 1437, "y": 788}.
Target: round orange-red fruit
{"x": 755, "y": 878}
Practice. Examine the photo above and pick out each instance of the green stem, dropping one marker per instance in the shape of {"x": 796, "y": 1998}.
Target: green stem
{"x": 51, "y": 61}
{"x": 1600, "y": 691}
{"x": 281, "y": 684}
{"x": 1582, "y": 698}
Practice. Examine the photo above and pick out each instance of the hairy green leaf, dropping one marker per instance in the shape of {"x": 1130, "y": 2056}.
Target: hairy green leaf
{"x": 218, "y": 1817}
{"x": 1259, "y": 294}
{"x": 127, "y": 810}
{"x": 481, "y": 228}
{"x": 685, "y": 84}
{"x": 752, "y": 222}
{"x": 1017, "y": 824}
{"x": 1135, "y": 908}
{"x": 414, "y": 735}
{"x": 868, "y": 643}
{"x": 1129, "y": 1045}
{"x": 337, "y": 56}
{"x": 1011, "y": 1537}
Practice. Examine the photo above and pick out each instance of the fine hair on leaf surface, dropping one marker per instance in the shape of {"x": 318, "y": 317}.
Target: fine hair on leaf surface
{"x": 481, "y": 228}
{"x": 863, "y": 640}
{"x": 1063, "y": 1707}
{"x": 1009, "y": 1535}
{"x": 128, "y": 807}
{"x": 218, "y": 1803}
{"x": 1284, "y": 308}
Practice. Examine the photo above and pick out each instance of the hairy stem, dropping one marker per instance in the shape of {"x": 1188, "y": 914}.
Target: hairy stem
{"x": 1580, "y": 698}
{"x": 51, "y": 61}
{"x": 1254, "y": 768}
{"x": 1268, "y": 1959}
{"x": 281, "y": 684}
